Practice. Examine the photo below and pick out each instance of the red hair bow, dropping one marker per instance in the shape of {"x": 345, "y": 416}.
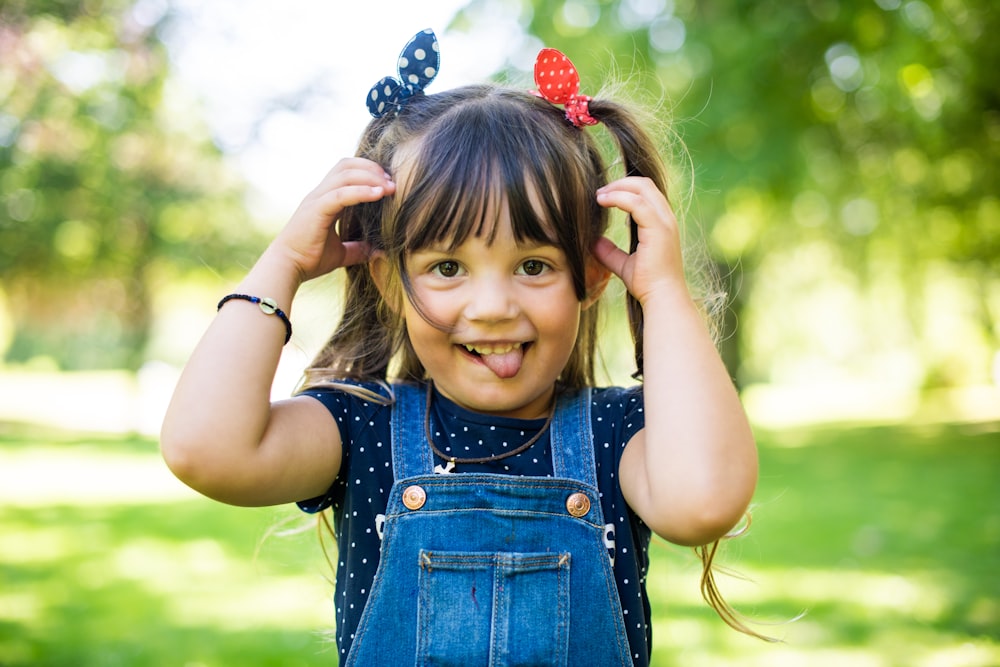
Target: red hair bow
{"x": 559, "y": 83}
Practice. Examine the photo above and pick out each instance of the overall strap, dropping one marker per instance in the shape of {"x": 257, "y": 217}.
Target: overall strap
{"x": 572, "y": 438}
{"x": 411, "y": 455}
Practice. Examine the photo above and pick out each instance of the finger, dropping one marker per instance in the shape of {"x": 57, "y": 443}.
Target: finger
{"x": 357, "y": 164}
{"x": 336, "y": 200}
{"x": 352, "y": 171}
{"x": 641, "y": 187}
{"x": 646, "y": 210}
{"x": 635, "y": 184}
{"x": 610, "y": 255}
{"x": 623, "y": 199}
{"x": 638, "y": 206}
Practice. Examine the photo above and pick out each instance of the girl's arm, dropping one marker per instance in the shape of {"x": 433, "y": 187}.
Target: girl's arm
{"x": 691, "y": 472}
{"x": 221, "y": 434}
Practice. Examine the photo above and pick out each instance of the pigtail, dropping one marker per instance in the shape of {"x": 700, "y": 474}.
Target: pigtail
{"x": 640, "y": 157}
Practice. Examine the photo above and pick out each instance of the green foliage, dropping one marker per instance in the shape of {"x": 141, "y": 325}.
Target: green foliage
{"x": 108, "y": 185}
{"x": 887, "y": 537}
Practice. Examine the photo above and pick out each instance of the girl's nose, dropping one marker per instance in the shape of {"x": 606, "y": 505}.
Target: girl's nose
{"x": 491, "y": 300}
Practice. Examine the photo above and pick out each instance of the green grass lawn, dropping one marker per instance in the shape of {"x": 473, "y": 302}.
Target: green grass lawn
{"x": 886, "y": 538}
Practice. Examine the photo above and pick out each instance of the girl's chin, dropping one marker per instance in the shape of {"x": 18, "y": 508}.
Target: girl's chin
{"x": 499, "y": 397}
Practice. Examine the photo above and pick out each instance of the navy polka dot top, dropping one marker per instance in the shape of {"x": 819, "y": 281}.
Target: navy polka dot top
{"x": 359, "y": 495}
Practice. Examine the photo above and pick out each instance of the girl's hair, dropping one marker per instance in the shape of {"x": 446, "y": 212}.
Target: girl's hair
{"x": 462, "y": 153}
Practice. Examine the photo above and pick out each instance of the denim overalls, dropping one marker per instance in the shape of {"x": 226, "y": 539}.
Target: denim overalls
{"x": 487, "y": 569}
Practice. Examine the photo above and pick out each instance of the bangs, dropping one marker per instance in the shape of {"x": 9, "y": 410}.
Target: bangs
{"x": 473, "y": 169}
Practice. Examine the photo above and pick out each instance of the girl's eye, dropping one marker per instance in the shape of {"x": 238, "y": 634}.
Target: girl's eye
{"x": 447, "y": 269}
{"x": 533, "y": 267}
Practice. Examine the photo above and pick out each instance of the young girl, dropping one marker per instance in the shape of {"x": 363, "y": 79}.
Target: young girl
{"x": 490, "y": 505}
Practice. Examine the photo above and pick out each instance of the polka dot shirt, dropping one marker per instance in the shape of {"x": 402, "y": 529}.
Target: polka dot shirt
{"x": 359, "y": 495}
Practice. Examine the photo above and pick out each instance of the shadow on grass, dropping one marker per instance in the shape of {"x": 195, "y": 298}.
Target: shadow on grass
{"x": 888, "y": 537}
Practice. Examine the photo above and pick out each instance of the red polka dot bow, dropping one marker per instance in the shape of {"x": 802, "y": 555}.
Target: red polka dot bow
{"x": 559, "y": 83}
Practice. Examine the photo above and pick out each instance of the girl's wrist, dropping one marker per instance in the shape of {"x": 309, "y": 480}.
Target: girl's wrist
{"x": 275, "y": 276}
{"x": 668, "y": 293}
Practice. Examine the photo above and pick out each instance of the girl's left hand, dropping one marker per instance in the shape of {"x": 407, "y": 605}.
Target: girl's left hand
{"x": 656, "y": 262}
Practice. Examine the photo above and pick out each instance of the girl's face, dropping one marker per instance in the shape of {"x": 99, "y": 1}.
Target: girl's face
{"x": 501, "y": 321}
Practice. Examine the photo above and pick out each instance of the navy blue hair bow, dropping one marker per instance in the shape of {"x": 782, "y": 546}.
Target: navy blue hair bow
{"x": 418, "y": 65}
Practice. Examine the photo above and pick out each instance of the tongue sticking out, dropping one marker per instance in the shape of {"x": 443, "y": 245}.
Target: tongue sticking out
{"x": 506, "y": 364}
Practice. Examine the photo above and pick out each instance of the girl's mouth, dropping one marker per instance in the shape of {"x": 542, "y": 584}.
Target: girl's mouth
{"x": 504, "y": 359}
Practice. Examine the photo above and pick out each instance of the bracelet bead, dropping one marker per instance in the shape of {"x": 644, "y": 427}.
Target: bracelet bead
{"x": 267, "y": 305}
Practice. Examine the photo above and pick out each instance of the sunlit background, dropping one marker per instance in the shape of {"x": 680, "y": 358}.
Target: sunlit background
{"x": 836, "y": 165}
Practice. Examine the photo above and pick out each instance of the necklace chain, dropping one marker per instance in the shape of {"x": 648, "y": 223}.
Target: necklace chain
{"x": 454, "y": 460}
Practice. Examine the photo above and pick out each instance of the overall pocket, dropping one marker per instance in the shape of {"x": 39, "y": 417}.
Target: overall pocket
{"x": 493, "y": 609}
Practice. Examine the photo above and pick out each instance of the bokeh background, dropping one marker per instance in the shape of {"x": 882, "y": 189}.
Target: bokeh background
{"x": 836, "y": 165}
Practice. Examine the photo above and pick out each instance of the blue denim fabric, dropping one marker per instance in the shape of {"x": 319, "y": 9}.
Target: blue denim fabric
{"x": 492, "y": 569}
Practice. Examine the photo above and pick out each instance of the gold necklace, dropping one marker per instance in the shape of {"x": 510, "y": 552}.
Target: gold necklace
{"x": 454, "y": 460}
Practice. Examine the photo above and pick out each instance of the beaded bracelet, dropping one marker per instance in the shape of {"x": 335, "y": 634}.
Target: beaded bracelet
{"x": 268, "y": 305}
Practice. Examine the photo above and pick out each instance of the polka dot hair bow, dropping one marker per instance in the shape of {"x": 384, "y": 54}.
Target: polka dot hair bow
{"x": 418, "y": 65}
{"x": 559, "y": 83}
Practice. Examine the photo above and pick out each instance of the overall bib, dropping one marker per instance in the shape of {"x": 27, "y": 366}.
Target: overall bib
{"x": 487, "y": 569}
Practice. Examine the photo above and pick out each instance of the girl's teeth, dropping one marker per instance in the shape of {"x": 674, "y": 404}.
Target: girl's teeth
{"x": 492, "y": 349}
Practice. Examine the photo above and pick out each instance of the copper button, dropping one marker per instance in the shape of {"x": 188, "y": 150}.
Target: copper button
{"x": 578, "y": 504}
{"x": 414, "y": 497}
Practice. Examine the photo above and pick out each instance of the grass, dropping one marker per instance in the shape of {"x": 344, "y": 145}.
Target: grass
{"x": 887, "y": 538}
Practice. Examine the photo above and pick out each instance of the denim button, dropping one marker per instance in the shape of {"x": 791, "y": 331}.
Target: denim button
{"x": 414, "y": 497}
{"x": 578, "y": 504}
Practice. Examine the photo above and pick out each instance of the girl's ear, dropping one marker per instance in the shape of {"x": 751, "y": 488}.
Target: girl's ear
{"x": 381, "y": 273}
{"x": 597, "y": 276}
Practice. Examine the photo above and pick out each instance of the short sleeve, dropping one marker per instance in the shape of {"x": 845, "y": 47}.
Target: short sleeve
{"x": 361, "y": 412}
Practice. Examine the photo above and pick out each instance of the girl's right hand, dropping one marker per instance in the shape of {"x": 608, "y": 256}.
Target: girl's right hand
{"x": 310, "y": 240}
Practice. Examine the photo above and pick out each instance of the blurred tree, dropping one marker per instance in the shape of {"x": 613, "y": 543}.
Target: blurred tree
{"x": 107, "y": 184}
{"x": 871, "y": 127}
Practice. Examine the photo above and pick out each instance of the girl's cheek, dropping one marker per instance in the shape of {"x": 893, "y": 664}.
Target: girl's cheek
{"x": 442, "y": 305}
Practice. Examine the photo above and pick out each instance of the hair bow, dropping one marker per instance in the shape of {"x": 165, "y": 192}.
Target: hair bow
{"x": 417, "y": 66}
{"x": 559, "y": 83}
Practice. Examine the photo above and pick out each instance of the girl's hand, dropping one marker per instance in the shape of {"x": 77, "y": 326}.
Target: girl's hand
{"x": 310, "y": 239}
{"x": 657, "y": 261}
